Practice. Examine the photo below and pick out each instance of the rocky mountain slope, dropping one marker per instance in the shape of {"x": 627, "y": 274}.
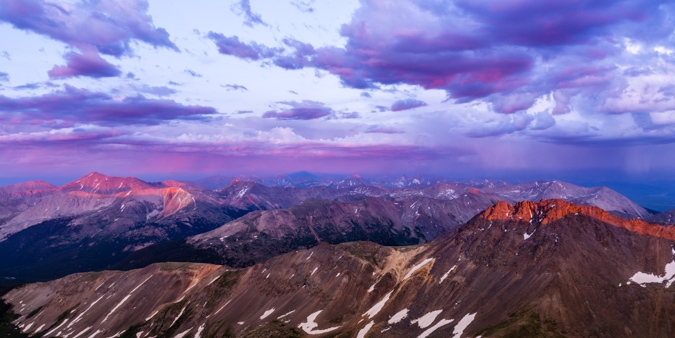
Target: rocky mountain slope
{"x": 261, "y": 235}
{"x": 667, "y": 217}
{"x": 547, "y": 269}
{"x": 95, "y": 221}
{"x": 250, "y": 194}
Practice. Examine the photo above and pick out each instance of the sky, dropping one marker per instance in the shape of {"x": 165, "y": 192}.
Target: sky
{"x": 462, "y": 88}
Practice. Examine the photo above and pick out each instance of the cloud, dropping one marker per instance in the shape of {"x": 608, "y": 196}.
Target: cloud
{"x": 352, "y": 115}
{"x": 60, "y": 137}
{"x": 305, "y": 110}
{"x": 382, "y": 130}
{"x": 504, "y": 53}
{"x": 407, "y": 104}
{"x": 4, "y": 77}
{"x": 243, "y": 7}
{"x": 231, "y": 87}
{"x": 29, "y": 86}
{"x": 159, "y": 91}
{"x": 74, "y": 105}
{"x": 105, "y": 26}
{"x": 232, "y": 46}
{"x": 543, "y": 121}
{"x": 90, "y": 64}
{"x": 193, "y": 73}
{"x": 304, "y": 6}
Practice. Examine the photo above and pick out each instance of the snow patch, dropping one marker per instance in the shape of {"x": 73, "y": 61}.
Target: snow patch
{"x": 56, "y": 328}
{"x": 39, "y": 328}
{"x": 310, "y": 255}
{"x": 427, "y": 319}
{"x": 399, "y": 316}
{"x": 310, "y": 325}
{"x": 178, "y": 317}
{"x": 82, "y": 332}
{"x": 124, "y": 299}
{"x": 447, "y": 273}
{"x": 372, "y": 287}
{"x": 183, "y": 334}
{"x": 95, "y": 333}
{"x": 199, "y": 331}
{"x": 152, "y": 315}
{"x": 365, "y": 329}
{"x": 282, "y": 316}
{"x": 463, "y": 323}
{"x": 526, "y": 236}
{"x": 645, "y": 278}
{"x": 215, "y": 279}
{"x": 430, "y": 330}
{"x": 417, "y": 267}
{"x": 222, "y": 307}
{"x": 378, "y": 307}
{"x": 267, "y": 313}
{"x": 79, "y": 317}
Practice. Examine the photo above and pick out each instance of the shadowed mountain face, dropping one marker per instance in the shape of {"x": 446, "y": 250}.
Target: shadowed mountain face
{"x": 97, "y": 220}
{"x": 667, "y": 217}
{"x": 265, "y": 234}
{"x": 547, "y": 269}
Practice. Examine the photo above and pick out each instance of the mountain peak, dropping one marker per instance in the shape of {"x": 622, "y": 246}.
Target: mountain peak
{"x": 28, "y": 188}
{"x": 550, "y": 210}
{"x": 100, "y": 183}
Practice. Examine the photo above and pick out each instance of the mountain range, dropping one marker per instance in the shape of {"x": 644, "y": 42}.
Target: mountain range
{"x": 99, "y": 222}
{"x": 551, "y": 268}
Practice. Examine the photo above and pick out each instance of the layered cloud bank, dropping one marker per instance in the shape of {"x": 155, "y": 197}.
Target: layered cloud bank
{"x": 372, "y": 85}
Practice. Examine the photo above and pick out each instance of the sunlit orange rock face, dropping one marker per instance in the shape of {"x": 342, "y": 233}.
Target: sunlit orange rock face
{"x": 547, "y": 211}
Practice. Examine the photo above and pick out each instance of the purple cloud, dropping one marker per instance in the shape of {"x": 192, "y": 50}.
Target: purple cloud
{"x": 407, "y": 104}
{"x": 93, "y": 27}
{"x": 232, "y": 46}
{"x": 506, "y": 53}
{"x": 351, "y": 115}
{"x": 4, "y": 77}
{"x": 87, "y": 64}
{"x": 383, "y": 130}
{"x": 159, "y": 91}
{"x": 29, "y": 86}
{"x": 74, "y": 105}
{"x": 243, "y": 7}
{"x": 305, "y": 110}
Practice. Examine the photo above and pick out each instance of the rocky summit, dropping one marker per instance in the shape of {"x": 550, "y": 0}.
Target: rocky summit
{"x": 529, "y": 269}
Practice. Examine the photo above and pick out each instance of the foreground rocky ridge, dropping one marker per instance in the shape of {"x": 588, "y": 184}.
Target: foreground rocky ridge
{"x": 531, "y": 269}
